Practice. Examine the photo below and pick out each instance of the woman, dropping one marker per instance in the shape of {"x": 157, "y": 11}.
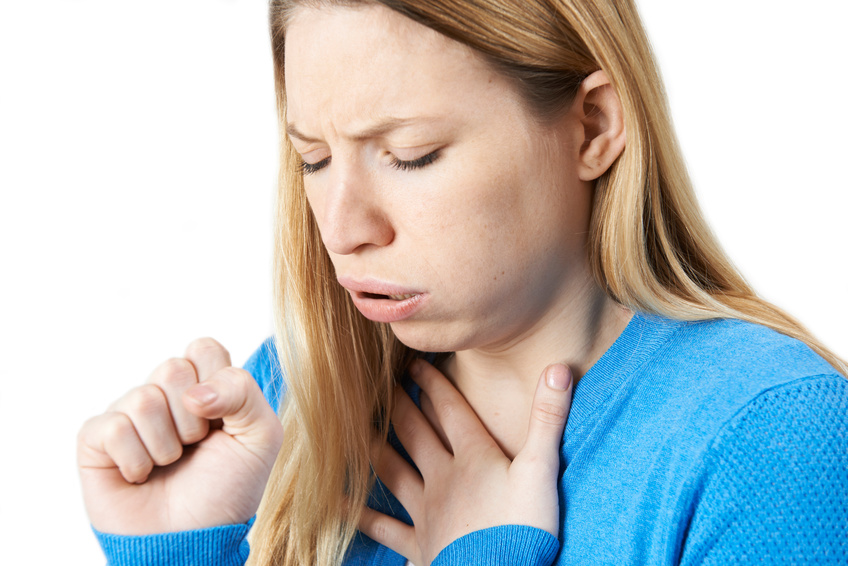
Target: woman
{"x": 498, "y": 181}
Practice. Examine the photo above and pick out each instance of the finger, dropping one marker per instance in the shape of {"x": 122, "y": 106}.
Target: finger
{"x": 231, "y": 394}
{"x": 416, "y": 435}
{"x": 400, "y": 477}
{"x": 456, "y": 417}
{"x": 174, "y": 378}
{"x": 551, "y": 405}
{"x": 390, "y": 532}
{"x": 147, "y": 410}
{"x": 208, "y": 356}
{"x": 110, "y": 441}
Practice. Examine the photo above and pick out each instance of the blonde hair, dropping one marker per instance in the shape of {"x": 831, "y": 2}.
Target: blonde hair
{"x": 649, "y": 248}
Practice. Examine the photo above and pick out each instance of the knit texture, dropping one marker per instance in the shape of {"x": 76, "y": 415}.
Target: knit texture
{"x": 776, "y": 490}
{"x": 513, "y": 545}
{"x": 218, "y": 546}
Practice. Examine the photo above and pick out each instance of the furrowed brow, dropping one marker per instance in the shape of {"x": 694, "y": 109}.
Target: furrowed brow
{"x": 381, "y": 128}
{"x": 293, "y": 132}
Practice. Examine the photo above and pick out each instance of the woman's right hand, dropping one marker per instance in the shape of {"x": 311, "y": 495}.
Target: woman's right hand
{"x": 464, "y": 482}
{"x": 191, "y": 449}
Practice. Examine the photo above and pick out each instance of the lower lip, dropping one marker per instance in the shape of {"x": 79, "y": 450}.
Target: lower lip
{"x": 387, "y": 310}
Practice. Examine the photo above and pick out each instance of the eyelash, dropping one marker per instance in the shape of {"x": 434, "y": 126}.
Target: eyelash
{"x": 415, "y": 163}
{"x": 309, "y": 168}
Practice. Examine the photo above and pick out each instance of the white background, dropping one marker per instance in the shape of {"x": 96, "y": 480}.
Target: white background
{"x": 137, "y": 166}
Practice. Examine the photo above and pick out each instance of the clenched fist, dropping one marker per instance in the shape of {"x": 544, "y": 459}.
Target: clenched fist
{"x": 192, "y": 448}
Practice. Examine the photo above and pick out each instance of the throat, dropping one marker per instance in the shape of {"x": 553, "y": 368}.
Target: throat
{"x": 503, "y": 408}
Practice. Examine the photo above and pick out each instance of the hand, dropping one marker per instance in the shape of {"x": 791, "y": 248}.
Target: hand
{"x": 473, "y": 485}
{"x": 193, "y": 448}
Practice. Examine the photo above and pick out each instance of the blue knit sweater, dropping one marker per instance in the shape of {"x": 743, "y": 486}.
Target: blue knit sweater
{"x": 705, "y": 443}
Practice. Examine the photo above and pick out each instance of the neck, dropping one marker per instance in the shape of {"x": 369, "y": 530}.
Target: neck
{"x": 499, "y": 382}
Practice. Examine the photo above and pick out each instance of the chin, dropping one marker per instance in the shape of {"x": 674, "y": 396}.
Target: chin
{"x": 423, "y": 342}
{"x": 429, "y": 337}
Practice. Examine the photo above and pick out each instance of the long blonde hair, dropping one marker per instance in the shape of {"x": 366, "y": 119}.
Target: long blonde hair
{"x": 649, "y": 248}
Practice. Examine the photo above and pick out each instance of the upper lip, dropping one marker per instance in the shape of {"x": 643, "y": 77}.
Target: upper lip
{"x": 375, "y": 287}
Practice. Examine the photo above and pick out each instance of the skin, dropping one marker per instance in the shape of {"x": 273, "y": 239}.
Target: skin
{"x": 191, "y": 448}
{"x": 492, "y": 230}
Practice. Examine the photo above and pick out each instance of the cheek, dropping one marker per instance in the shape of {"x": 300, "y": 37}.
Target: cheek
{"x": 479, "y": 227}
{"x": 480, "y": 201}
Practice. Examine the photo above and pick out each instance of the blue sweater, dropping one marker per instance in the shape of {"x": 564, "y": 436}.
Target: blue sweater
{"x": 707, "y": 443}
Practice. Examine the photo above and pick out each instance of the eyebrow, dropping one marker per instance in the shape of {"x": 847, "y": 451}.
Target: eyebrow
{"x": 383, "y": 127}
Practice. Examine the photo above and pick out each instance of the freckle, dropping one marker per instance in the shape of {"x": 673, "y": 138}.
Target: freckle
{"x": 502, "y": 272}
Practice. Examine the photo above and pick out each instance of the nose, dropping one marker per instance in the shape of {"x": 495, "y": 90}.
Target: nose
{"x": 350, "y": 215}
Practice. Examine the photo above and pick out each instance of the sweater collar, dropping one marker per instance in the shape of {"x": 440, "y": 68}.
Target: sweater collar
{"x": 637, "y": 344}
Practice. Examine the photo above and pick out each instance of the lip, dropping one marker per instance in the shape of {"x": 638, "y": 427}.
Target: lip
{"x": 383, "y": 310}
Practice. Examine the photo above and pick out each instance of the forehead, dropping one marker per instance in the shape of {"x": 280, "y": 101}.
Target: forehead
{"x": 358, "y": 63}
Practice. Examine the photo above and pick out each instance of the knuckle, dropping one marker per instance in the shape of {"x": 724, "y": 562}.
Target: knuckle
{"x": 136, "y": 471}
{"x": 236, "y": 377}
{"x": 169, "y": 455}
{"x": 89, "y": 427}
{"x": 446, "y": 409}
{"x": 194, "y": 432}
{"x": 117, "y": 426}
{"x": 202, "y": 347}
{"x": 176, "y": 371}
{"x": 380, "y": 530}
{"x": 404, "y": 427}
{"x": 239, "y": 392}
{"x": 550, "y": 413}
{"x": 146, "y": 400}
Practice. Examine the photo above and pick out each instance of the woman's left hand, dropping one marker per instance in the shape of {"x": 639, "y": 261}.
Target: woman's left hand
{"x": 469, "y": 485}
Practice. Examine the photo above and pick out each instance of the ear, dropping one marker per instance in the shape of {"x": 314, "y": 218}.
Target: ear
{"x": 599, "y": 111}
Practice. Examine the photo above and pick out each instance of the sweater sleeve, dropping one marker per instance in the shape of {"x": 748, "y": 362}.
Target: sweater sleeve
{"x": 218, "y": 546}
{"x": 775, "y": 489}
{"x": 513, "y": 545}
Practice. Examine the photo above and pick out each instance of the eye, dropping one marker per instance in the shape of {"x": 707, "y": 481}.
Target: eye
{"x": 415, "y": 163}
{"x": 309, "y": 168}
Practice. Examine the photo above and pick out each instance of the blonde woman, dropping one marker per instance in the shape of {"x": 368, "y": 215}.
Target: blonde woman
{"x": 482, "y": 210}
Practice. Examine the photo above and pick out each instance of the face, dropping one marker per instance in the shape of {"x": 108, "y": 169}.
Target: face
{"x": 446, "y": 208}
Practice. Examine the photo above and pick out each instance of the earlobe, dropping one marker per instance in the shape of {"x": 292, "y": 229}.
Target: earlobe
{"x": 602, "y": 118}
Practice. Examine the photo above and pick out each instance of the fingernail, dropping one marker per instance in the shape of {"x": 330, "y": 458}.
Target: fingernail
{"x": 559, "y": 377}
{"x": 202, "y": 395}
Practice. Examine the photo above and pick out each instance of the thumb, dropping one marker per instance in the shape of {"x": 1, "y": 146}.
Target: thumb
{"x": 548, "y": 416}
{"x": 232, "y": 395}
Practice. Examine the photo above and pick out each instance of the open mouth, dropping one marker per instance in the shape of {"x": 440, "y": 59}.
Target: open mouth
{"x": 388, "y": 297}
{"x": 385, "y": 307}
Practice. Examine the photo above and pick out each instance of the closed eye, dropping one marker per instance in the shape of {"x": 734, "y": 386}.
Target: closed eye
{"x": 415, "y": 163}
{"x": 308, "y": 168}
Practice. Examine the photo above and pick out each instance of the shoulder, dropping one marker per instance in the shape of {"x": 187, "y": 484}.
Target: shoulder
{"x": 707, "y": 377}
{"x": 727, "y": 364}
{"x": 725, "y": 379}
{"x": 734, "y": 348}
{"x": 763, "y": 422}
{"x": 775, "y": 479}
{"x": 264, "y": 366}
